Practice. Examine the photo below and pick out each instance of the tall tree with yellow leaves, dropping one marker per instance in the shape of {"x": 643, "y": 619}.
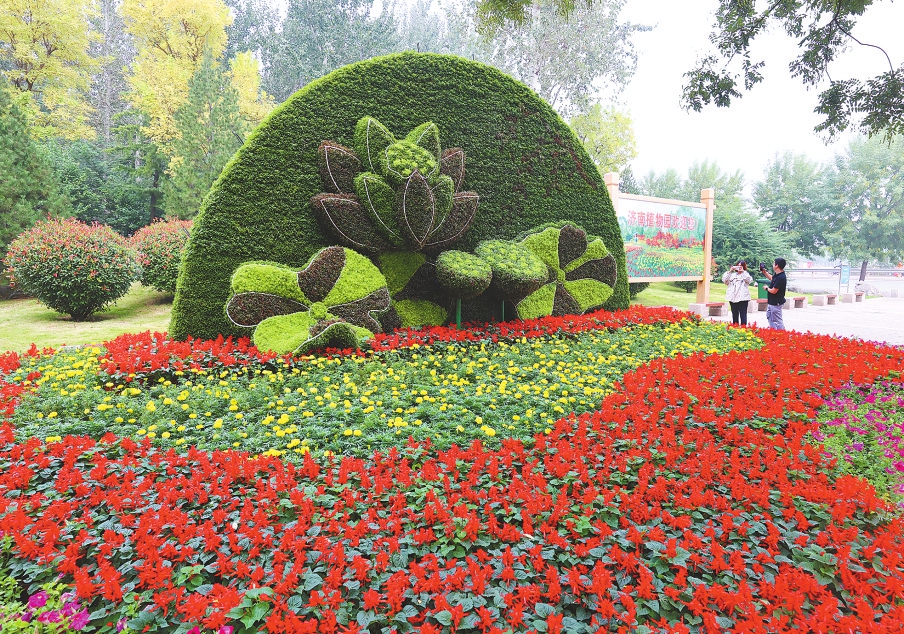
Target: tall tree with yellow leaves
{"x": 254, "y": 103}
{"x": 172, "y": 38}
{"x": 44, "y": 49}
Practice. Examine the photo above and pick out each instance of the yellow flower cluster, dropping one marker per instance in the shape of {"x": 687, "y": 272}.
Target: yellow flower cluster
{"x": 448, "y": 392}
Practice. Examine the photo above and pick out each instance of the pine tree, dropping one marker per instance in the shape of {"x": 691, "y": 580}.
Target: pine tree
{"x": 210, "y": 130}
{"x": 27, "y": 187}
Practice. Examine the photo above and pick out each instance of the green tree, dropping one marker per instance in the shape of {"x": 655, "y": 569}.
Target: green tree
{"x": 823, "y": 30}
{"x": 668, "y": 184}
{"x": 254, "y": 23}
{"x": 28, "y": 190}
{"x": 729, "y": 186}
{"x": 570, "y": 63}
{"x": 139, "y": 164}
{"x": 319, "y": 36}
{"x": 210, "y": 130}
{"x": 94, "y": 189}
{"x": 744, "y": 235}
{"x": 796, "y": 197}
{"x": 608, "y": 137}
{"x": 866, "y": 222}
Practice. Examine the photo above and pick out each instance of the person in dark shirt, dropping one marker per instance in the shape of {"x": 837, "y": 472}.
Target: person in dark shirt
{"x": 776, "y": 290}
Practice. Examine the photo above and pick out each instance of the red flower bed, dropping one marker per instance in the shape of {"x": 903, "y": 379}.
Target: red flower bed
{"x": 147, "y": 356}
{"x": 689, "y": 501}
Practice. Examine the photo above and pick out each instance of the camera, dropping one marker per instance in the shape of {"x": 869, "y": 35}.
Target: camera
{"x": 763, "y": 266}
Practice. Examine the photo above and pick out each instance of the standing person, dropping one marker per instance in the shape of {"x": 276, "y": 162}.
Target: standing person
{"x": 776, "y": 290}
{"x": 738, "y": 281}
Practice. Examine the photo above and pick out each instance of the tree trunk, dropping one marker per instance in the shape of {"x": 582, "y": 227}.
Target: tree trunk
{"x": 863, "y": 270}
{"x": 154, "y": 211}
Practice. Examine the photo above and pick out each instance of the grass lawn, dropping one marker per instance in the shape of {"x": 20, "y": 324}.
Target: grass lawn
{"x": 25, "y": 321}
{"x": 664, "y": 294}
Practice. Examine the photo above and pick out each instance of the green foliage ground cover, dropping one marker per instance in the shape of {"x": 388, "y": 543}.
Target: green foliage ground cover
{"x": 24, "y": 321}
{"x": 449, "y": 392}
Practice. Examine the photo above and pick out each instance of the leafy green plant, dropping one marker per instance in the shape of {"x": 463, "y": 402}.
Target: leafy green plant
{"x": 462, "y": 274}
{"x": 71, "y": 267}
{"x": 158, "y": 250}
{"x": 516, "y": 271}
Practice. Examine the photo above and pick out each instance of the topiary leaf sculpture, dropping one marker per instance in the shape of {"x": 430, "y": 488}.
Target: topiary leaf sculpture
{"x": 336, "y": 300}
{"x": 581, "y": 273}
{"x": 394, "y": 194}
{"x": 463, "y": 275}
{"x": 517, "y": 272}
{"x": 417, "y": 297}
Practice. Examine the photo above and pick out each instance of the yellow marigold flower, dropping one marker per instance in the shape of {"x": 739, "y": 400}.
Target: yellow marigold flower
{"x": 218, "y": 423}
{"x": 165, "y": 434}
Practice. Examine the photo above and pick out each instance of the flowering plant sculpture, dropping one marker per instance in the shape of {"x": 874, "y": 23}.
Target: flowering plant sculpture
{"x": 389, "y": 194}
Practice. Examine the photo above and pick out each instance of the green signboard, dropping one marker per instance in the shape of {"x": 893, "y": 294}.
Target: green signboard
{"x": 663, "y": 240}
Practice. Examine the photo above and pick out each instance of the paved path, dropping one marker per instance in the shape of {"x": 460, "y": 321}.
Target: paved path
{"x": 879, "y": 319}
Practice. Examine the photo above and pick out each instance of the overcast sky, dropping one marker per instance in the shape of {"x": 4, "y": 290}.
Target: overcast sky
{"x": 775, "y": 117}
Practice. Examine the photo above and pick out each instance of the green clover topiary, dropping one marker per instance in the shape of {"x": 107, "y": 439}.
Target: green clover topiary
{"x": 335, "y": 300}
{"x": 581, "y": 273}
{"x": 389, "y": 194}
{"x": 417, "y": 299}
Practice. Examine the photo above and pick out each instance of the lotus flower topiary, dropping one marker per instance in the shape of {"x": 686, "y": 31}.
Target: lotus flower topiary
{"x": 388, "y": 194}
{"x": 336, "y": 300}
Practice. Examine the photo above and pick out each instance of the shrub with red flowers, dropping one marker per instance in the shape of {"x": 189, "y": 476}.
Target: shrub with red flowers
{"x": 158, "y": 249}
{"x": 71, "y": 267}
{"x": 691, "y": 500}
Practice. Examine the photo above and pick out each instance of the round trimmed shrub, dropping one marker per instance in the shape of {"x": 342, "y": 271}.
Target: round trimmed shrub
{"x": 464, "y": 275}
{"x": 523, "y": 161}
{"x": 71, "y": 267}
{"x": 158, "y": 250}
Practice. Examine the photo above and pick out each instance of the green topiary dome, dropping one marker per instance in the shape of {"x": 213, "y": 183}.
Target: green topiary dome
{"x": 522, "y": 160}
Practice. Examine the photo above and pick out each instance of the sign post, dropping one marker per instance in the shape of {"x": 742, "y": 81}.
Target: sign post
{"x": 665, "y": 240}
{"x": 708, "y": 198}
{"x": 844, "y": 278}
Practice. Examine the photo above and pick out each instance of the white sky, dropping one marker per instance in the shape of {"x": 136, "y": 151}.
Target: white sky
{"x": 775, "y": 117}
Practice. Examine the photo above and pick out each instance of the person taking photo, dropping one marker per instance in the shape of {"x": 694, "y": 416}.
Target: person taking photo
{"x": 778, "y": 285}
{"x": 738, "y": 281}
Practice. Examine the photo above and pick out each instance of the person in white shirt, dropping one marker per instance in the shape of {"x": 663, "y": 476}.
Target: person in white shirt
{"x": 738, "y": 281}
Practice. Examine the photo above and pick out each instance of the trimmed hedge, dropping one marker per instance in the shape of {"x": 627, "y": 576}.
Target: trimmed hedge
{"x": 72, "y": 267}
{"x": 522, "y": 160}
{"x": 463, "y": 275}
